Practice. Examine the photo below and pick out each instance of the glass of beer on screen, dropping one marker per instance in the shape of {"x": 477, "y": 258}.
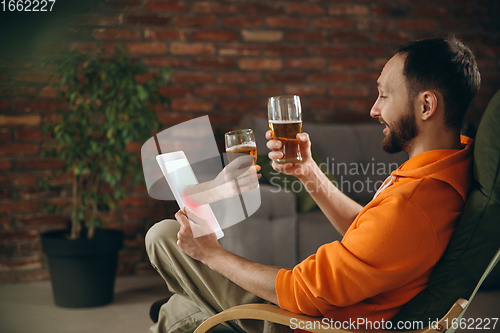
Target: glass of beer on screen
{"x": 285, "y": 121}
{"x": 240, "y": 142}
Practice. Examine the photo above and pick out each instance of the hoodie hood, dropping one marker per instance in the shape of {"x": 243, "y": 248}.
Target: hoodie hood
{"x": 441, "y": 164}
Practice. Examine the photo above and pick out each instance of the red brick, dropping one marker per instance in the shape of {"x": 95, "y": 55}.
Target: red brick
{"x": 348, "y": 91}
{"x": 348, "y": 63}
{"x": 264, "y": 36}
{"x": 21, "y": 235}
{"x": 261, "y": 9}
{"x": 305, "y": 9}
{"x": 262, "y": 91}
{"x": 82, "y": 47}
{"x": 260, "y": 64}
{"x": 389, "y": 11}
{"x": 16, "y": 63}
{"x": 48, "y": 163}
{"x": 109, "y": 33}
{"x": 147, "y": 19}
{"x": 48, "y": 92}
{"x": 5, "y": 165}
{"x": 242, "y": 22}
{"x": 19, "y": 149}
{"x": 238, "y": 78}
{"x": 287, "y": 22}
{"x": 350, "y": 10}
{"x": 123, "y": 4}
{"x": 238, "y": 50}
{"x": 5, "y": 134}
{"x": 96, "y": 19}
{"x": 18, "y": 207}
{"x": 175, "y": 91}
{"x": 191, "y": 105}
{"x": 285, "y": 78}
{"x": 305, "y": 63}
{"x": 25, "y": 249}
{"x": 147, "y": 48}
{"x": 171, "y": 118}
{"x": 134, "y": 201}
{"x": 371, "y": 25}
{"x": 193, "y": 77}
{"x": 38, "y": 275}
{"x": 240, "y": 105}
{"x": 21, "y": 92}
{"x": 134, "y": 147}
{"x": 51, "y": 221}
{"x": 471, "y": 12}
{"x": 194, "y": 22}
{"x": 4, "y": 77}
{"x": 26, "y": 263}
{"x": 165, "y": 6}
{"x": 17, "y": 179}
{"x": 417, "y": 24}
{"x": 327, "y": 104}
{"x": 134, "y": 243}
{"x": 40, "y": 105}
{"x": 349, "y": 37}
{"x": 431, "y": 11}
{"x": 130, "y": 256}
{"x": 284, "y": 50}
{"x": 362, "y": 105}
{"x": 305, "y": 90}
{"x": 32, "y": 77}
{"x": 305, "y": 36}
{"x": 7, "y": 278}
{"x": 333, "y": 23}
{"x": 144, "y": 268}
{"x": 5, "y": 105}
{"x": 213, "y": 7}
{"x": 192, "y": 48}
{"x": 371, "y": 51}
{"x": 162, "y": 62}
{"x": 214, "y": 36}
{"x": 165, "y": 34}
{"x": 4, "y": 194}
{"x": 61, "y": 179}
{"x": 230, "y": 119}
{"x": 29, "y": 134}
{"x": 330, "y": 77}
{"x": 329, "y": 51}
{"x": 209, "y": 91}
{"x": 391, "y": 37}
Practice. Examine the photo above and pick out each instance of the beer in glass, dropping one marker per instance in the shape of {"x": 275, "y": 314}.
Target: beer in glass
{"x": 240, "y": 142}
{"x": 285, "y": 122}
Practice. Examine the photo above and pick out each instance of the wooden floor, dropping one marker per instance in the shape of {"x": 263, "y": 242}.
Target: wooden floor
{"x": 30, "y": 308}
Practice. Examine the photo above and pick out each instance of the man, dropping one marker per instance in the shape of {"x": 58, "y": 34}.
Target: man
{"x": 389, "y": 247}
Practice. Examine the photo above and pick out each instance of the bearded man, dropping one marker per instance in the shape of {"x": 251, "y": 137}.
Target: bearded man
{"x": 389, "y": 247}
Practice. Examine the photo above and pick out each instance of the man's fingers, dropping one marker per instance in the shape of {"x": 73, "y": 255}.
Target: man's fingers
{"x": 274, "y": 144}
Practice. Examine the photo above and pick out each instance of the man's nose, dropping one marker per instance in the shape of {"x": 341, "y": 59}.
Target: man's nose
{"x": 375, "y": 111}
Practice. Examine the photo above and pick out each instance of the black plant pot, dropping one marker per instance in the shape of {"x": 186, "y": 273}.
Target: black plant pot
{"x": 82, "y": 270}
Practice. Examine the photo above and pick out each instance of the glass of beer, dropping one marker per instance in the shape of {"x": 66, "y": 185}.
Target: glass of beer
{"x": 240, "y": 142}
{"x": 285, "y": 121}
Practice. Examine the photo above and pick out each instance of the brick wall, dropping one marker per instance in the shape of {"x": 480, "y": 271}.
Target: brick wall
{"x": 227, "y": 58}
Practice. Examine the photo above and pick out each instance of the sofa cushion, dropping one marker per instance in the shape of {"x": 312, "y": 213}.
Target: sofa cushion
{"x": 477, "y": 236}
{"x": 288, "y": 183}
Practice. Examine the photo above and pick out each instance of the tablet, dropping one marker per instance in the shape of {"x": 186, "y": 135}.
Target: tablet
{"x": 179, "y": 174}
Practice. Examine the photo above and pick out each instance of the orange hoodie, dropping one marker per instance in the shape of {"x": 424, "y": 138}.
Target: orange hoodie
{"x": 389, "y": 251}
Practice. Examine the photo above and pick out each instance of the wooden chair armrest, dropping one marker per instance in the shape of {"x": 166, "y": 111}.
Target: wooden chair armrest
{"x": 277, "y": 315}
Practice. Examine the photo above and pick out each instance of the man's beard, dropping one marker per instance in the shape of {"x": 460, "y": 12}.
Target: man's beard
{"x": 401, "y": 133}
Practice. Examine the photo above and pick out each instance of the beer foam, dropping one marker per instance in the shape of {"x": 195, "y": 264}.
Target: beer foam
{"x": 285, "y": 121}
{"x": 243, "y": 145}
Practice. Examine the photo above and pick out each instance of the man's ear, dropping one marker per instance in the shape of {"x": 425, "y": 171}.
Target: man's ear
{"x": 427, "y": 104}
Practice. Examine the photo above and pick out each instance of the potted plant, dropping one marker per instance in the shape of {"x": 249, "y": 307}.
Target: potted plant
{"x": 110, "y": 104}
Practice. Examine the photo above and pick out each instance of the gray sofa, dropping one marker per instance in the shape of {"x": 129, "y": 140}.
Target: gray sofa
{"x": 276, "y": 234}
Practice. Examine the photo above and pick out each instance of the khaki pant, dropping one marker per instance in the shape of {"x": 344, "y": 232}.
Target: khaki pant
{"x": 199, "y": 292}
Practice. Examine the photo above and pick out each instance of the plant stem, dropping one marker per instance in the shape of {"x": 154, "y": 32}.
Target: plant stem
{"x": 75, "y": 225}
